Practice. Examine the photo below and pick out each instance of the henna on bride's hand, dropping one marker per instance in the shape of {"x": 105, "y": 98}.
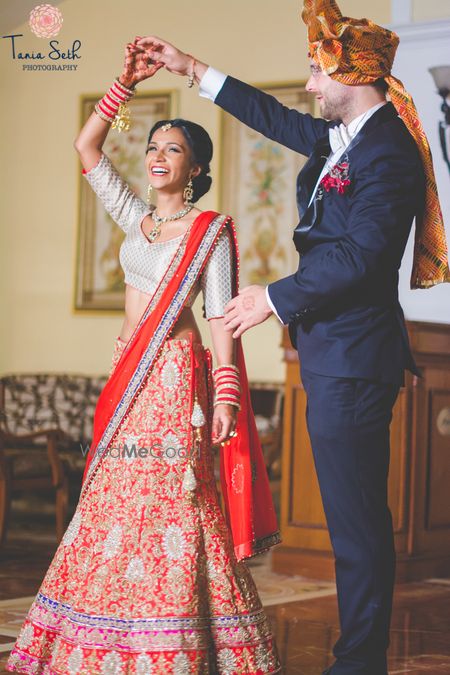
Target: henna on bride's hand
{"x": 248, "y": 302}
{"x": 138, "y": 65}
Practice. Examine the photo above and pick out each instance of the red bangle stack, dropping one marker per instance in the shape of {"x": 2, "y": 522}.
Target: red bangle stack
{"x": 227, "y": 385}
{"x": 117, "y": 95}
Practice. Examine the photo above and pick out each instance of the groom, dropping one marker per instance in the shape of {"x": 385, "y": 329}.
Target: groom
{"x": 368, "y": 175}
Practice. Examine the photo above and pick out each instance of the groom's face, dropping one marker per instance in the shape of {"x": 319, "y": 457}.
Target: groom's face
{"x": 333, "y": 97}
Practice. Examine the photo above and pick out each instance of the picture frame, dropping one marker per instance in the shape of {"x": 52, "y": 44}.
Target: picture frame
{"x": 99, "y": 280}
{"x": 258, "y": 189}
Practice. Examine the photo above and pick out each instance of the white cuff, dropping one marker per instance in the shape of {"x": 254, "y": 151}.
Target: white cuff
{"x": 272, "y": 306}
{"x": 211, "y": 83}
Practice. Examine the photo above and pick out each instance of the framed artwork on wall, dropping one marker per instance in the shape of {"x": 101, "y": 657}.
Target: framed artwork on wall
{"x": 258, "y": 189}
{"x": 99, "y": 284}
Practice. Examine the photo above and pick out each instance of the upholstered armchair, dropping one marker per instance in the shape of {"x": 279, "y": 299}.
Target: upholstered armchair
{"x": 45, "y": 428}
{"x": 31, "y": 462}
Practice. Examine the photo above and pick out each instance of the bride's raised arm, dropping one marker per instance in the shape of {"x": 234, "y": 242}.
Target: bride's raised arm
{"x": 137, "y": 67}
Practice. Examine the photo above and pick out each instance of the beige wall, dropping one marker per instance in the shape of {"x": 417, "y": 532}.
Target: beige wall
{"x": 431, "y": 10}
{"x": 257, "y": 40}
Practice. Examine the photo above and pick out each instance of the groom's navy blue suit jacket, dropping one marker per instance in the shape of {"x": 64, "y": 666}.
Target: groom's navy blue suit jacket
{"x": 342, "y": 302}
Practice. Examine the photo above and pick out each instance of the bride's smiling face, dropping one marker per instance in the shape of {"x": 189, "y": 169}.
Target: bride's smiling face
{"x": 169, "y": 161}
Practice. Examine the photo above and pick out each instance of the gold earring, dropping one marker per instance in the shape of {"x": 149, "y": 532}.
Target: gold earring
{"x": 188, "y": 192}
{"x": 149, "y": 194}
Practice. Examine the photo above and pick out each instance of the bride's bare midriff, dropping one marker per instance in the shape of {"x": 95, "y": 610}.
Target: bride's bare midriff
{"x": 135, "y": 303}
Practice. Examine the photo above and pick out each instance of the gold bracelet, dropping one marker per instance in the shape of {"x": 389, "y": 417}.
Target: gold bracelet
{"x": 191, "y": 78}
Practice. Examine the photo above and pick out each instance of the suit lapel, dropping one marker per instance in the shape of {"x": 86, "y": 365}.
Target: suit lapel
{"x": 306, "y": 182}
{"x": 307, "y": 178}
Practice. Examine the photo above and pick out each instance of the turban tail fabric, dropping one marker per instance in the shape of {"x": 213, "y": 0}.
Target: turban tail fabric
{"x": 356, "y": 52}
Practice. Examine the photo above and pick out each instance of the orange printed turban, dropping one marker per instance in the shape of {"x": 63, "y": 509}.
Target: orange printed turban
{"x": 355, "y": 52}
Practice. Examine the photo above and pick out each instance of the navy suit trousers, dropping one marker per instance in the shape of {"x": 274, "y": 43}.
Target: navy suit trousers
{"x": 348, "y": 423}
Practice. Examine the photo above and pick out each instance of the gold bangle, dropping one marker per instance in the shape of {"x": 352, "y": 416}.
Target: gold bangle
{"x": 102, "y": 115}
{"x": 130, "y": 92}
{"x": 226, "y": 402}
{"x": 225, "y": 365}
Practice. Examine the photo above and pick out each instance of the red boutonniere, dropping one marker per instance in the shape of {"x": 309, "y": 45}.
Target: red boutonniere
{"x": 337, "y": 178}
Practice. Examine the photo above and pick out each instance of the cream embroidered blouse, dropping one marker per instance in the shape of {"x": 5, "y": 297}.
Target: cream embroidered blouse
{"x": 144, "y": 263}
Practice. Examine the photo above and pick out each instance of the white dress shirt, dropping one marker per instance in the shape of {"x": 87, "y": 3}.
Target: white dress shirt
{"x": 211, "y": 83}
{"x": 340, "y": 136}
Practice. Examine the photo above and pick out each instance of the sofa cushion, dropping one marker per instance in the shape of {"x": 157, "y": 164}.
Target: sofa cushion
{"x": 47, "y": 401}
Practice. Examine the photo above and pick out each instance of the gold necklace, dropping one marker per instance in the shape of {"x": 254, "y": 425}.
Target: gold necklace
{"x": 160, "y": 220}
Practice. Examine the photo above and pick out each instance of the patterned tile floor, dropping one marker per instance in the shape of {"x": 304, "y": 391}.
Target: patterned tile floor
{"x": 303, "y": 612}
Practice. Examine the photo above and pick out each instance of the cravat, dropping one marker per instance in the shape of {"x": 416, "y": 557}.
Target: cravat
{"x": 339, "y": 138}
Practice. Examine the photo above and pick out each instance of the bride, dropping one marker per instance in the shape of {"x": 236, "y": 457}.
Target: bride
{"x": 150, "y": 576}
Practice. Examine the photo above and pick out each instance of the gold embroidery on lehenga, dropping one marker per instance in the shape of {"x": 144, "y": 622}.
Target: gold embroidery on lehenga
{"x": 192, "y": 599}
{"x": 213, "y": 572}
{"x": 174, "y": 542}
{"x": 73, "y": 529}
{"x": 176, "y": 583}
{"x": 263, "y": 659}
{"x": 75, "y": 661}
{"x": 130, "y": 447}
{"x": 112, "y": 664}
{"x": 170, "y": 376}
{"x": 189, "y": 482}
{"x": 181, "y": 665}
{"x": 112, "y": 542}
{"x": 172, "y": 448}
{"x": 227, "y": 661}
{"x": 135, "y": 383}
{"x": 26, "y": 637}
{"x": 144, "y": 665}
{"x": 135, "y": 570}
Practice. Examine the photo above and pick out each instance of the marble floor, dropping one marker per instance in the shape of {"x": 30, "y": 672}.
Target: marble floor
{"x": 305, "y": 629}
{"x": 420, "y": 636}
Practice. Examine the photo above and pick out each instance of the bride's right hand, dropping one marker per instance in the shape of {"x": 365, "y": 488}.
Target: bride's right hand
{"x": 174, "y": 60}
{"x": 137, "y": 65}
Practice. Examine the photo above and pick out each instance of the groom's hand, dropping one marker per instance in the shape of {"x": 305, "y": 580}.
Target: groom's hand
{"x": 174, "y": 60}
{"x": 246, "y": 310}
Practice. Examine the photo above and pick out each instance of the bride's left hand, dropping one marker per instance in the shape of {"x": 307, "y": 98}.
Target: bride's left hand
{"x": 224, "y": 422}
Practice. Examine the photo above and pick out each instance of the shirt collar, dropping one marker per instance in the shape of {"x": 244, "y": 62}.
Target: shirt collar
{"x": 355, "y": 125}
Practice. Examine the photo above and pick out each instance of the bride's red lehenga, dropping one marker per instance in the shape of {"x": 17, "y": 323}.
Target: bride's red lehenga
{"x": 150, "y": 576}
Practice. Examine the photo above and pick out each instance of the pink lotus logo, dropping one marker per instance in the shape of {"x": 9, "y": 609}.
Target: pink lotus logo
{"x": 45, "y": 21}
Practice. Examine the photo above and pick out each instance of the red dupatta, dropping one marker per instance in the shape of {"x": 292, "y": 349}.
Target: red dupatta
{"x": 245, "y": 486}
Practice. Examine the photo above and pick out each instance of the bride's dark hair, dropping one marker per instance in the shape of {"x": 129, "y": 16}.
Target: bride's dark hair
{"x": 201, "y": 146}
